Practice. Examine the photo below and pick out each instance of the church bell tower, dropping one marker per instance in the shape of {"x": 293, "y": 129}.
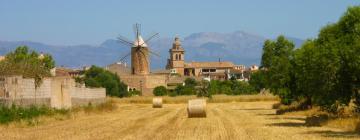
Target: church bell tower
{"x": 176, "y": 60}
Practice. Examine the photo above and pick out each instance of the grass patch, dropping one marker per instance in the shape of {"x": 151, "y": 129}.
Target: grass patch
{"x": 184, "y": 99}
{"x": 16, "y": 113}
{"x": 316, "y": 117}
{"x": 31, "y": 114}
{"x": 107, "y": 106}
{"x": 347, "y": 123}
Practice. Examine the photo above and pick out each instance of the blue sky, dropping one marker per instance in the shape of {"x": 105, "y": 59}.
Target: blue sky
{"x": 73, "y": 22}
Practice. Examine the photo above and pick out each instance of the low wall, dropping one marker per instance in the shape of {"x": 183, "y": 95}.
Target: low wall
{"x": 83, "y": 102}
{"x": 84, "y": 96}
{"x": 56, "y": 92}
{"x": 26, "y": 101}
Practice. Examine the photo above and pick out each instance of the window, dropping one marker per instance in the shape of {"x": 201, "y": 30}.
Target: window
{"x": 205, "y": 70}
{"x": 176, "y": 57}
{"x": 180, "y": 57}
{"x": 212, "y": 70}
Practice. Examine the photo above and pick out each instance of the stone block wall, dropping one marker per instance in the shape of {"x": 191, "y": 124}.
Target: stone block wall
{"x": 57, "y": 92}
{"x": 144, "y": 83}
{"x": 60, "y": 93}
{"x": 84, "y": 96}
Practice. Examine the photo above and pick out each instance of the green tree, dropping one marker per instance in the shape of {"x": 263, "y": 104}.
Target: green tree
{"x": 27, "y": 63}
{"x": 277, "y": 61}
{"x": 98, "y": 77}
{"x": 306, "y": 72}
{"x": 190, "y": 82}
{"x": 339, "y": 47}
{"x": 258, "y": 80}
{"x": 160, "y": 91}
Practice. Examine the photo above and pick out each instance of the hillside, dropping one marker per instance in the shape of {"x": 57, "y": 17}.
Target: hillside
{"x": 239, "y": 47}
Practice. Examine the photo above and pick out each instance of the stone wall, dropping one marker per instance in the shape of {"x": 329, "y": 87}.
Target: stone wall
{"x": 57, "y": 92}
{"x": 84, "y": 96}
{"x": 62, "y": 88}
{"x": 144, "y": 83}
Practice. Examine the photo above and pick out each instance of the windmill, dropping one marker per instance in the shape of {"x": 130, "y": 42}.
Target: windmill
{"x": 140, "y": 64}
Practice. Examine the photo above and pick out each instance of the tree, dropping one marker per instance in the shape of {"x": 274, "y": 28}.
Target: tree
{"x": 325, "y": 71}
{"x": 277, "y": 60}
{"x": 306, "y": 73}
{"x": 258, "y": 80}
{"x": 27, "y": 63}
{"x": 98, "y": 77}
{"x": 160, "y": 91}
{"x": 190, "y": 82}
{"x": 338, "y": 45}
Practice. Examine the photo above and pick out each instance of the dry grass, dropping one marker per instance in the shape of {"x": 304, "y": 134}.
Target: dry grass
{"x": 238, "y": 120}
{"x": 184, "y": 99}
{"x": 310, "y": 112}
{"x": 349, "y": 123}
{"x": 108, "y": 106}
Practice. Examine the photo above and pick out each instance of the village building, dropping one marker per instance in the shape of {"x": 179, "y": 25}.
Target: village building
{"x": 217, "y": 70}
{"x": 139, "y": 77}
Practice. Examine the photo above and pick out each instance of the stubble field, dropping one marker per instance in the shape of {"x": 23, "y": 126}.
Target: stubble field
{"x": 234, "y": 120}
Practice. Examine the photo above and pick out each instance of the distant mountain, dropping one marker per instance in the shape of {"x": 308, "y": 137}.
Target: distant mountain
{"x": 239, "y": 47}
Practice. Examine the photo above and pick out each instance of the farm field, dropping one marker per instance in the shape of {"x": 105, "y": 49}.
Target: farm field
{"x": 234, "y": 120}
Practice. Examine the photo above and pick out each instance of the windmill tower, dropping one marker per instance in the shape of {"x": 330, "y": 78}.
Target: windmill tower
{"x": 140, "y": 64}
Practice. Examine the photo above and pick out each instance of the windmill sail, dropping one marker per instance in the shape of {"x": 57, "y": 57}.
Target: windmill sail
{"x": 139, "y": 51}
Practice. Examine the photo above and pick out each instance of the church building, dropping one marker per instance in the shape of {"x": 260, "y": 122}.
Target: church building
{"x": 217, "y": 70}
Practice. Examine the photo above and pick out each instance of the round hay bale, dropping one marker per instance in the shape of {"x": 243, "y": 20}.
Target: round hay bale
{"x": 196, "y": 108}
{"x": 157, "y": 102}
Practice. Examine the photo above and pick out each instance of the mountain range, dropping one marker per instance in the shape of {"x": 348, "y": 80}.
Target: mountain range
{"x": 239, "y": 47}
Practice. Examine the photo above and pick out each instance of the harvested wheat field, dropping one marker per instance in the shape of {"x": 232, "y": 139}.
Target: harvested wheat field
{"x": 242, "y": 120}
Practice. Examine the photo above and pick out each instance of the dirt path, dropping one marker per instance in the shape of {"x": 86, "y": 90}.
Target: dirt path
{"x": 247, "y": 120}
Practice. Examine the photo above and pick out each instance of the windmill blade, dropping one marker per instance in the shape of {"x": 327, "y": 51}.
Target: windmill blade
{"x": 154, "y": 53}
{"x": 124, "y": 57}
{"x": 125, "y": 41}
{"x": 139, "y": 29}
{"x": 137, "y": 33}
{"x": 155, "y": 35}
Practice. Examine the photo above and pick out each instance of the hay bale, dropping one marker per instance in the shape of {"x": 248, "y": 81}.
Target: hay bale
{"x": 157, "y": 102}
{"x": 196, "y": 108}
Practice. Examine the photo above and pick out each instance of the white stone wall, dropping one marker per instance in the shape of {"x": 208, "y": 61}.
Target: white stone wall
{"x": 88, "y": 93}
{"x": 44, "y": 90}
{"x": 28, "y": 88}
{"x": 58, "y": 92}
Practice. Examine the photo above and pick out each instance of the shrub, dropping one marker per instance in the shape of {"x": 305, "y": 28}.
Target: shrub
{"x": 190, "y": 82}
{"x": 230, "y": 87}
{"x": 172, "y": 94}
{"x": 160, "y": 91}
{"x": 185, "y": 90}
{"x": 133, "y": 93}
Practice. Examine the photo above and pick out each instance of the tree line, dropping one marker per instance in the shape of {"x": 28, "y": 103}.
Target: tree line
{"x": 324, "y": 71}
{"x": 207, "y": 89}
